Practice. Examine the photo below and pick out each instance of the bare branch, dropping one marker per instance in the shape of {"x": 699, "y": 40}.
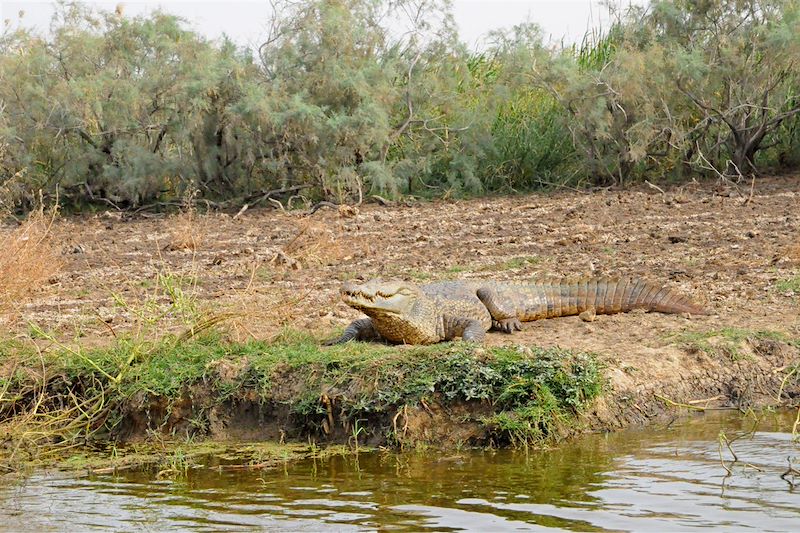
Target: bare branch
{"x": 399, "y": 131}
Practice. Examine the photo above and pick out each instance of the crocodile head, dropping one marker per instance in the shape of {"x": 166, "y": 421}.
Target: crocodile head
{"x": 399, "y": 310}
{"x": 381, "y": 297}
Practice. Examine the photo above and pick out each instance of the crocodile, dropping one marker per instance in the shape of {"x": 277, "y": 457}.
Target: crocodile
{"x": 407, "y": 313}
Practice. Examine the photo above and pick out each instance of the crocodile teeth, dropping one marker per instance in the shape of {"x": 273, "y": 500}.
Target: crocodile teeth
{"x": 366, "y": 296}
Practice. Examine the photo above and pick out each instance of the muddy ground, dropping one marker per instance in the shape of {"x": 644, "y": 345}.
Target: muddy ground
{"x": 733, "y": 249}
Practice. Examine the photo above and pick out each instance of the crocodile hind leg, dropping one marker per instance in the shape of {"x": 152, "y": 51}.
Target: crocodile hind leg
{"x": 469, "y": 329}
{"x": 504, "y": 317}
{"x": 359, "y": 330}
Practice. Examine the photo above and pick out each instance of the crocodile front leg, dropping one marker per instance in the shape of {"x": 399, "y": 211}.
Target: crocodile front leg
{"x": 469, "y": 329}
{"x": 360, "y": 330}
{"x": 504, "y": 316}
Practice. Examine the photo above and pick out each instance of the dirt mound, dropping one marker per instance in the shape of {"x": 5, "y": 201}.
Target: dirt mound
{"x": 752, "y": 373}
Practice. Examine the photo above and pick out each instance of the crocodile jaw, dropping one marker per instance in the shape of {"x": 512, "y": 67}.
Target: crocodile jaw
{"x": 377, "y": 297}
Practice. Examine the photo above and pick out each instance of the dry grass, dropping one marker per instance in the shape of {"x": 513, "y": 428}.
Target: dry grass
{"x": 28, "y": 259}
{"x": 41, "y": 420}
{"x": 187, "y": 230}
{"x": 794, "y": 253}
{"x": 261, "y": 314}
{"x": 314, "y": 244}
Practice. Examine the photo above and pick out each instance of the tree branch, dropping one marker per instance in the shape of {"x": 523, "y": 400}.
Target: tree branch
{"x": 86, "y": 137}
{"x": 399, "y": 131}
{"x": 705, "y": 107}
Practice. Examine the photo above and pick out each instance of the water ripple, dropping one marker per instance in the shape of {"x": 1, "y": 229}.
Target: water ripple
{"x": 668, "y": 480}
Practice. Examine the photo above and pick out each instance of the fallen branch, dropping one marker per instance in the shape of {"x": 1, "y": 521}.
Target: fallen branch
{"x": 277, "y": 204}
{"x": 656, "y": 187}
{"x": 253, "y": 199}
{"x": 752, "y": 187}
{"x": 241, "y": 211}
{"x": 678, "y": 404}
{"x": 319, "y": 205}
{"x": 381, "y": 200}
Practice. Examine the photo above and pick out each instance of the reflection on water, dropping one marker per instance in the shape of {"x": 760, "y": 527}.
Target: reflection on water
{"x": 656, "y": 479}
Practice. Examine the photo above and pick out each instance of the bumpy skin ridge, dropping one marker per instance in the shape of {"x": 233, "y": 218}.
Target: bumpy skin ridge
{"x": 423, "y": 314}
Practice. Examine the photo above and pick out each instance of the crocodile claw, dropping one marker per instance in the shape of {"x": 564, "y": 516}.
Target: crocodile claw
{"x": 508, "y": 325}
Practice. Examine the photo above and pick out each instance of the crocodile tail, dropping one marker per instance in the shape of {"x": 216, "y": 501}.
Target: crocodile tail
{"x": 618, "y": 295}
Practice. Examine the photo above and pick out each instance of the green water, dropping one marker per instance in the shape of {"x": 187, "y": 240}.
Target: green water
{"x": 657, "y": 479}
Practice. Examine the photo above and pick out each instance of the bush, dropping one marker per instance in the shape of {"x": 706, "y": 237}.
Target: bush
{"x": 125, "y": 112}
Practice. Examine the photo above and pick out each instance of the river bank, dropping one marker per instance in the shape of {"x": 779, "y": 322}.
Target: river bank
{"x": 449, "y": 396}
{"x": 188, "y": 326}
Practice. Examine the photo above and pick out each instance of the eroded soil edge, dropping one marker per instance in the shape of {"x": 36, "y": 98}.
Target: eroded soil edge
{"x": 269, "y": 271}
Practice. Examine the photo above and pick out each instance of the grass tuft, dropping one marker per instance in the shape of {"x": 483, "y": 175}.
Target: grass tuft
{"x": 27, "y": 258}
{"x": 790, "y": 284}
{"x": 314, "y": 243}
{"x": 187, "y": 230}
{"x": 793, "y": 253}
{"x": 513, "y": 264}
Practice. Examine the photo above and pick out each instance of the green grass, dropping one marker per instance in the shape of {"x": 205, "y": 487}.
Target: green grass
{"x": 790, "y": 284}
{"x": 535, "y": 394}
{"x": 417, "y": 275}
{"x": 597, "y": 48}
{"x": 457, "y": 269}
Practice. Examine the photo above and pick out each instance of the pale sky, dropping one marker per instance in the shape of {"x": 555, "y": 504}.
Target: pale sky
{"x": 245, "y": 21}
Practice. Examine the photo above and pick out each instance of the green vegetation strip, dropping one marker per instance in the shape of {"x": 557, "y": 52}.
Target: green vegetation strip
{"x": 63, "y": 398}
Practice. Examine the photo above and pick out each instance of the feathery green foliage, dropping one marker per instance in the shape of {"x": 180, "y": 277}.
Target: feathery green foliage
{"x": 111, "y": 110}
